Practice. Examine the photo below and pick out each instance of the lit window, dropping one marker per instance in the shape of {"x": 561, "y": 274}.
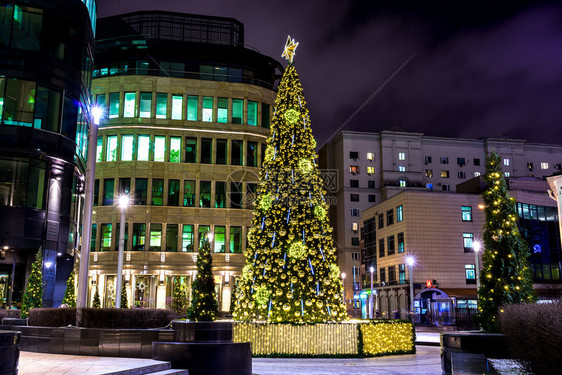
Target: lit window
{"x": 127, "y": 147}
{"x": 466, "y": 213}
{"x": 445, "y": 174}
{"x": 506, "y": 174}
{"x": 370, "y": 170}
{"x": 354, "y": 227}
{"x": 161, "y": 105}
{"x": 175, "y": 149}
{"x": 237, "y": 111}
{"x": 544, "y": 165}
{"x": 476, "y": 174}
{"x": 177, "y": 104}
{"x": 399, "y": 213}
{"x": 192, "y": 102}
{"x": 401, "y": 242}
{"x": 129, "y": 105}
{"x": 235, "y": 239}
{"x": 354, "y": 169}
{"x": 98, "y": 149}
{"x": 467, "y": 239}
{"x": 401, "y": 168}
{"x": 401, "y": 156}
{"x": 143, "y": 148}
{"x": 155, "y": 237}
{"x": 370, "y": 156}
{"x": 157, "y": 192}
{"x": 222, "y": 110}
{"x": 220, "y": 194}
{"x": 105, "y": 243}
{"x": 428, "y": 173}
{"x": 159, "y": 148}
{"x": 111, "y": 154}
{"x": 444, "y": 160}
{"x": 207, "y": 109}
{"x": 402, "y": 183}
{"x": 506, "y": 162}
{"x": 252, "y": 113}
{"x": 145, "y": 104}
{"x": 470, "y": 273}
{"x": 220, "y": 238}
{"x": 114, "y": 105}
{"x": 187, "y": 238}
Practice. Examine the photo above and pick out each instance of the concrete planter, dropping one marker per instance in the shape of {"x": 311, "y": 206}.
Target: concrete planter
{"x": 9, "y": 352}
{"x": 468, "y": 351}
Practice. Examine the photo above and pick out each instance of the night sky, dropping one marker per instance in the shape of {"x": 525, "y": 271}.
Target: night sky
{"x": 443, "y": 68}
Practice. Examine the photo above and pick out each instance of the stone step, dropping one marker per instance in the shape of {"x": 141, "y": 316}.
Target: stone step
{"x": 149, "y": 369}
{"x": 170, "y": 372}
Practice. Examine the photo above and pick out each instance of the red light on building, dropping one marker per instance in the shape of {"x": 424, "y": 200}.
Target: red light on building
{"x": 428, "y": 284}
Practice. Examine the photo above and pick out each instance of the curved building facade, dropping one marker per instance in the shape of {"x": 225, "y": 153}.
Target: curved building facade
{"x": 187, "y": 110}
{"x": 46, "y": 51}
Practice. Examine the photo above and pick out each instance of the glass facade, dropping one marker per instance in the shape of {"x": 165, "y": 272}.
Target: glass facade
{"x": 161, "y": 105}
{"x": 145, "y": 109}
{"x": 207, "y": 109}
{"x": 23, "y": 183}
{"x": 143, "y": 148}
{"x": 177, "y": 105}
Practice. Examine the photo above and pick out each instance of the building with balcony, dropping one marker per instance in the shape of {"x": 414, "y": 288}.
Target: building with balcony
{"x": 46, "y": 53}
{"x": 188, "y": 109}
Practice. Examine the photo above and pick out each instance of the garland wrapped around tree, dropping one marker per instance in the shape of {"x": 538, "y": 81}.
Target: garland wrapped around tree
{"x": 204, "y": 306}
{"x": 291, "y": 273}
{"x": 506, "y": 275}
{"x": 69, "y": 294}
{"x": 33, "y": 297}
{"x": 179, "y": 299}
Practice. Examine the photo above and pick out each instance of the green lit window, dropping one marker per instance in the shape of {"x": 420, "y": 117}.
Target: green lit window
{"x": 2, "y": 82}
{"x": 191, "y": 150}
{"x": 252, "y": 154}
{"x": 93, "y": 237}
{"x": 177, "y": 104}
{"x": 192, "y": 103}
{"x": 143, "y": 148}
{"x": 105, "y": 243}
{"x": 99, "y": 149}
{"x": 19, "y": 102}
{"x": 203, "y": 231}
{"x": 175, "y": 149}
{"x": 252, "y": 113}
{"x": 47, "y": 109}
{"x": 187, "y": 238}
{"x": 159, "y": 148}
{"x": 141, "y": 191}
{"x": 207, "y": 109}
{"x": 189, "y": 193}
{"x": 145, "y": 104}
{"x": 470, "y": 273}
{"x": 26, "y": 28}
{"x": 221, "y": 151}
{"x": 466, "y": 213}
{"x": 235, "y": 239}
{"x": 173, "y": 192}
{"x": 172, "y": 237}
{"x": 111, "y": 154}
{"x": 236, "y": 152}
{"x": 205, "y": 194}
{"x": 206, "y": 150}
{"x": 114, "y": 105}
{"x": 220, "y": 238}
{"x": 127, "y": 147}
{"x": 401, "y": 242}
{"x": 129, "y": 105}
{"x": 399, "y": 213}
{"x": 222, "y": 110}
{"x": 265, "y": 115}
{"x": 155, "y": 237}
{"x": 22, "y": 183}
{"x": 220, "y": 194}
{"x": 467, "y": 240}
{"x": 157, "y": 192}
{"x": 161, "y": 105}
{"x": 237, "y": 111}
{"x": 108, "y": 191}
{"x": 139, "y": 236}
{"x": 100, "y": 100}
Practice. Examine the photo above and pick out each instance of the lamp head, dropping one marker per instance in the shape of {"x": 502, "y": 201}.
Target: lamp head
{"x": 123, "y": 201}
{"x": 476, "y": 245}
{"x": 97, "y": 113}
{"x": 343, "y": 275}
{"x": 410, "y": 260}
{"x": 372, "y": 269}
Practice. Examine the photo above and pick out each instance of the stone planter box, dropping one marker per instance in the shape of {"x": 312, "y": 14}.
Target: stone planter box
{"x": 468, "y": 351}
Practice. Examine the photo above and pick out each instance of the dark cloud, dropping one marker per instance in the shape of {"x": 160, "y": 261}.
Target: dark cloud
{"x": 479, "y": 68}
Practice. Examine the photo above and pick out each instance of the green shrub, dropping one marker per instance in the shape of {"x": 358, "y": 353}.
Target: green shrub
{"x": 52, "y": 317}
{"x": 125, "y": 318}
{"x": 534, "y": 333}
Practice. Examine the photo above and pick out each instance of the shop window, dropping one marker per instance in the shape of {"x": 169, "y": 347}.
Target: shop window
{"x": 159, "y": 148}
{"x": 143, "y": 151}
{"x": 237, "y": 111}
{"x": 220, "y": 194}
{"x": 141, "y": 191}
{"x": 220, "y": 152}
{"x": 206, "y": 150}
{"x": 175, "y": 149}
{"x": 105, "y": 239}
{"x": 127, "y": 147}
{"x": 252, "y": 113}
{"x": 265, "y": 115}
{"x": 155, "y": 243}
{"x": 189, "y": 193}
{"x": 172, "y": 237}
{"x": 236, "y": 152}
{"x": 207, "y": 109}
{"x": 205, "y": 194}
{"x": 129, "y": 105}
{"x": 177, "y": 105}
{"x": 173, "y": 192}
{"x": 220, "y": 239}
{"x": 139, "y": 236}
{"x": 251, "y": 154}
{"x": 191, "y": 150}
{"x": 145, "y": 109}
{"x": 108, "y": 191}
{"x": 192, "y": 103}
{"x": 157, "y": 192}
{"x": 114, "y": 105}
{"x": 161, "y": 105}
{"x": 222, "y": 110}
{"x": 235, "y": 239}
{"x": 187, "y": 238}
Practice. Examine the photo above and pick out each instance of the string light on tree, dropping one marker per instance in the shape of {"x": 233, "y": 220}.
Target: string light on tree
{"x": 33, "y": 297}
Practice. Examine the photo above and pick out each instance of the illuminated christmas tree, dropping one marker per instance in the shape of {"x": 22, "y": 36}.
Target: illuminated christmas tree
{"x": 506, "y": 275}
{"x": 179, "y": 301}
{"x": 291, "y": 273}
{"x": 69, "y": 294}
{"x": 33, "y": 296}
{"x": 204, "y": 305}
{"x": 124, "y": 299}
{"x": 96, "y": 303}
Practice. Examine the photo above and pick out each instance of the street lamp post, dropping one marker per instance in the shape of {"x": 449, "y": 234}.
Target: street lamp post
{"x": 372, "y": 269}
{"x": 410, "y": 260}
{"x": 477, "y": 246}
{"x": 123, "y": 204}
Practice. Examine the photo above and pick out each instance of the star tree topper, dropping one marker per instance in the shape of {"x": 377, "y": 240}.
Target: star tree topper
{"x": 289, "y": 51}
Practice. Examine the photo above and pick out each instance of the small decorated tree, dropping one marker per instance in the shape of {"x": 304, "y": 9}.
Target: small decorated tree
{"x": 179, "y": 301}
{"x": 204, "y": 305}
{"x": 96, "y": 303}
{"x": 69, "y": 294}
{"x": 506, "y": 275}
{"x": 124, "y": 299}
{"x": 33, "y": 297}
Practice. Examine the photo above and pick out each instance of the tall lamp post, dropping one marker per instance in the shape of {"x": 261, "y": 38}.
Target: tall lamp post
{"x": 477, "y": 246}
{"x": 410, "y": 261}
{"x": 123, "y": 204}
{"x": 343, "y": 285}
{"x": 96, "y": 113}
{"x": 372, "y": 269}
